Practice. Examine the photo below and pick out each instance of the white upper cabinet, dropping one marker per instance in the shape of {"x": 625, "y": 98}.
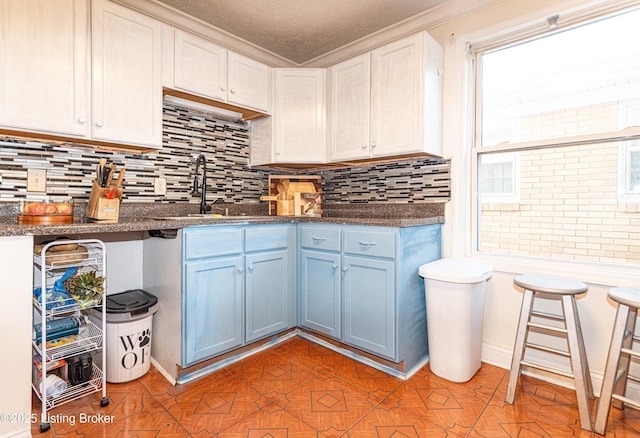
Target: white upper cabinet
{"x": 197, "y": 66}
{"x": 349, "y": 108}
{"x": 403, "y": 113}
{"x": 296, "y": 133}
{"x": 249, "y": 83}
{"x": 43, "y": 66}
{"x": 127, "y": 87}
{"x": 200, "y": 66}
{"x": 299, "y": 112}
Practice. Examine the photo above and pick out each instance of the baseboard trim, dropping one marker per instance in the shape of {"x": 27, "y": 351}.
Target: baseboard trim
{"x": 162, "y": 371}
{"x": 501, "y": 357}
{"x": 190, "y": 376}
{"x": 350, "y": 354}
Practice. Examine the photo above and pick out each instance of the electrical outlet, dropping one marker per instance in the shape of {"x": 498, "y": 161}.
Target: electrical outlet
{"x": 160, "y": 186}
{"x": 36, "y": 180}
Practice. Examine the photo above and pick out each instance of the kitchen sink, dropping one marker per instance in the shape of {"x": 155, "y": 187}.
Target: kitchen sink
{"x": 195, "y": 216}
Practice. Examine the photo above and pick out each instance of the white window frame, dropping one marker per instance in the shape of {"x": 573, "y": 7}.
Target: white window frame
{"x": 623, "y": 153}
{"x": 504, "y": 197}
{"x": 591, "y": 272}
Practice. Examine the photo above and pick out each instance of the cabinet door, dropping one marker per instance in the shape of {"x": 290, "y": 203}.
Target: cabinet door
{"x": 397, "y": 96}
{"x": 43, "y": 66}
{"x": 369, "y": 305}
{"x": 267, "y": 294}
{"x": 349, "y": 108}
{"x": 200, "y": 67}
{"x": 320, "y": 307}
{"x": 213, "y": 307}
{"x": 299, "y": 114}
{"x": 249, "y": 83}
{"x": 127, "y": 87}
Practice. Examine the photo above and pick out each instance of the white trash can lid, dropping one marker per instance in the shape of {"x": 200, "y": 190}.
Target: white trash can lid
{"x": 456, "y": 271}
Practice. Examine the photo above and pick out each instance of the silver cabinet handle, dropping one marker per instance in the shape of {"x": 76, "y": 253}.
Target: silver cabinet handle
{"x": 345, "y": 269}
{"x": 240, "y": 270}
{"x": 250, "y": 268}
{"x": 319, "y": 239}
{"x": 334, "y": 266}
{"x": 367, "y": 243}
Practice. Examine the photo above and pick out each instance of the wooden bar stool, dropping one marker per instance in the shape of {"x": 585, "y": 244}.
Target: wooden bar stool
{"x": 566, "y": 289}
{"x": 616, "y": 372}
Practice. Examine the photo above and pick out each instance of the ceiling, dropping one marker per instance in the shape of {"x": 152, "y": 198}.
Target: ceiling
{"x": 300, "y": 30}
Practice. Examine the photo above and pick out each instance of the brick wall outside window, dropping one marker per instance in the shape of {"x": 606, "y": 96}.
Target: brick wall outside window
{"x": 568, "y": 206}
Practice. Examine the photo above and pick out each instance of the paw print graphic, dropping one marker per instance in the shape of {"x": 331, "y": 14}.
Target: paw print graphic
{"x": 144, "y": 338}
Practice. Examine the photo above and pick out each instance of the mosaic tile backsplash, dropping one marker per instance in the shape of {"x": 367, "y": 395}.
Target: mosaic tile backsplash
{"x": 225, "y": 144}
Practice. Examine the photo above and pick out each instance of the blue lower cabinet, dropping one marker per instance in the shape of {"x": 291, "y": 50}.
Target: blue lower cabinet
{"x": 320, "y": 298}
{"x": 238, "y": 286}
{"x": 213, "y": 307}
{"x": 267, "y": 293}
{"x": 369, "y": 305}
{"x": 377, "y": 304}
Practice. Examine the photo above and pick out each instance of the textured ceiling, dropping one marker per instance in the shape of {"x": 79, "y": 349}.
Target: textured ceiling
{"x": 301, "y": 30}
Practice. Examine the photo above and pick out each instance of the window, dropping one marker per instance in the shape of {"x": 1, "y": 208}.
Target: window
{"x": 557, "y": 133}
{"x": 498, "y": 178}
{"x": 629, "y": 157}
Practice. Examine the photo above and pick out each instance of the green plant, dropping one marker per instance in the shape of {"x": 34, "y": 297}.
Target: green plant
{"x": 86, "y": 287}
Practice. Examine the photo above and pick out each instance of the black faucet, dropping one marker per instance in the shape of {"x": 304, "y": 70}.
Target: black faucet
{"x": 202, "y": 191}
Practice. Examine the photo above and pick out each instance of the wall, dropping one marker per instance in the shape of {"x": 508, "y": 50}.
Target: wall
{"x": 186, "y": 134}
{"x": 71, "y": 168}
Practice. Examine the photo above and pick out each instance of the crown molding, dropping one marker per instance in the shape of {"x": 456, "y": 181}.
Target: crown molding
{"x": 426, "y": 20}
{"x": 193, "y": 25}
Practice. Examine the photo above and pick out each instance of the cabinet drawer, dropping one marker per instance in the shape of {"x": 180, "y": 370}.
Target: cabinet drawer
{"x": 320, "y": 238}
{"x": 212, "y": 242}
{"x": 261, "y": 238}
{"x": 370, "y": 243}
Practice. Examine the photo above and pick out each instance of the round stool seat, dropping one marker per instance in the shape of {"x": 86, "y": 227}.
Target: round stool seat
{"x": 629, "y": 296}
{"x": 550, "y": 284}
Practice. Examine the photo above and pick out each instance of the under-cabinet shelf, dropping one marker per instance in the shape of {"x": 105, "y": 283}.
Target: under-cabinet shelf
{"x": 95, "y": 384}
{"x": 89, "y": 338}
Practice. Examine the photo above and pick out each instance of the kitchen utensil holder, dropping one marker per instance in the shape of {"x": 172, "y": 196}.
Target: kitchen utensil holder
{"x": 102, "y": 208}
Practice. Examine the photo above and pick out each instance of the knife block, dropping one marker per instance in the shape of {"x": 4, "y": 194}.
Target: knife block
{"x": 100, "y": 207}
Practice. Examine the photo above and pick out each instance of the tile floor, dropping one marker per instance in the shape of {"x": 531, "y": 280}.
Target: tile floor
{"x": 300, "y": 389}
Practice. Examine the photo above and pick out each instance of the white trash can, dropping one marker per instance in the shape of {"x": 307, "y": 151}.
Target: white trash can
{"x": 128, "y": 337}
{"x": 454, "y": 293}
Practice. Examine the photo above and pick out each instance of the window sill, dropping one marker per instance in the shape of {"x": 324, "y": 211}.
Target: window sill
{"x": 604, "y": 274}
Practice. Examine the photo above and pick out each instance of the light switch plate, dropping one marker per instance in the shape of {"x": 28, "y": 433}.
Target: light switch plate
{"x": 36, "y": 180}
{"x": 160, "y": 186}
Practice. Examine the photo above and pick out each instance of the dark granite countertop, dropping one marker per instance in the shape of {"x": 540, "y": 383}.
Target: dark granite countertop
{"x": 147, "y": 217}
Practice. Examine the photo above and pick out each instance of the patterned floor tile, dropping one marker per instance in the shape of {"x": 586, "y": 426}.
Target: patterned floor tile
{"x": 326, "y": 402}
{"x": 269, "y": 423}
{"x": 215, "y": 405}
{"x": 275, "y": 375}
